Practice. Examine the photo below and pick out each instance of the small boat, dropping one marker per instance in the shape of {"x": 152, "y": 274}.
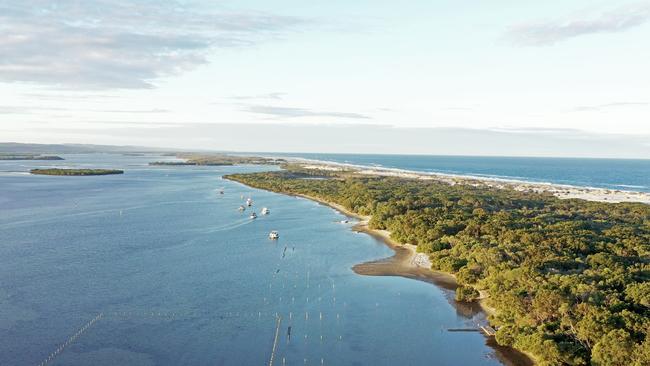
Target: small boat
{"x": 242, "y": 208}
{"x": 274, "y": 235}
{"x": 249, "y": 202}
{"x": 253, "y": 215}
{"x": 265, "y": 211}
{"x": 344, "y": 221}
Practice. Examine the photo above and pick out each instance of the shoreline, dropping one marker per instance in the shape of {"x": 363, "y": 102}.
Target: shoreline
{"x": 562, "y": 191}
{"x": 404, "y": 263}
{"x": 401, "y": 264}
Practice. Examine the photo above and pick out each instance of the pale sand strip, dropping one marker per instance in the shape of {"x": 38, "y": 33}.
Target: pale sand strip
{"x": 558, "y": 190}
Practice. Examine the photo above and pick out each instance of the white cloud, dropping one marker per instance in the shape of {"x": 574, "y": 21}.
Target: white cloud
{"x": 120, "y": 44}
{"x": 292, "y": 112}
{"x": 550, "y": 32}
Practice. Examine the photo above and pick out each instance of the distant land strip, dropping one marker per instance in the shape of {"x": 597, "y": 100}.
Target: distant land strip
{"x": 217, "y": 160}
{"x": 12, "y": 156}
{"x": 75, "y": 172}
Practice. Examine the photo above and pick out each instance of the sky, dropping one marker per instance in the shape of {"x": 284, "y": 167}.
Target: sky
{"x": 530, "y": 78}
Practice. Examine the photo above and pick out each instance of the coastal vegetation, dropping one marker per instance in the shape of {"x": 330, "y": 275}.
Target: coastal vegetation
{"x": 184, "y": 163}
{"x": 217, "y": 160}
{"x": 569, "y": 280}
{"x": 77, "y": 172}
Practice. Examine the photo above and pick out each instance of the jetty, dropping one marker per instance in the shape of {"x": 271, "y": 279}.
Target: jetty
{"x": 488, "y": 330}
{"x": 463, "y": 330}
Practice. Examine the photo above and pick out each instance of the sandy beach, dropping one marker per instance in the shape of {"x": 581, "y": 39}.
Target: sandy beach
{"x": 406, "y": 262}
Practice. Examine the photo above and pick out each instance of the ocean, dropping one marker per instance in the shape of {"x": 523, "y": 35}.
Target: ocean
{"x": 616, "y": 174}
{"x": 156, "y": 267}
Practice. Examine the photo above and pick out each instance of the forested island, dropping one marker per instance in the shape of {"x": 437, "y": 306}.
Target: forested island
{"x": 569, "y": 280}
{"x": 217, "y": 160}
{"x": 75, "y": 172}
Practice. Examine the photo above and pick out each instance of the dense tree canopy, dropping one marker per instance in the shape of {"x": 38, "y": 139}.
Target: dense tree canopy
{"x": 569, "y": 278}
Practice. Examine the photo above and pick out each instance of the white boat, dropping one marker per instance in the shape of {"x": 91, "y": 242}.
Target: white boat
{"x": 242, "y": 208}
{"x": 253, "y": 215}
{"x": 274, "y": 235}
{"x": 249, "y": 202}
{"x": 265, "y": 211}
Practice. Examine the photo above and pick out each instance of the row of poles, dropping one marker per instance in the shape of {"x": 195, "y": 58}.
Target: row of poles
{"x": 276, "y": 276}
{"x": 71, "y": 339}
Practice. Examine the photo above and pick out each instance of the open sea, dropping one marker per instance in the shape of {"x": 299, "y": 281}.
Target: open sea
{"x": 156, "y": 267}
{"x": 621, "y": 174}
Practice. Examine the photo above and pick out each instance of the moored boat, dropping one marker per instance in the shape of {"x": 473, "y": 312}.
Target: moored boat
{"x": 274, "y": 235}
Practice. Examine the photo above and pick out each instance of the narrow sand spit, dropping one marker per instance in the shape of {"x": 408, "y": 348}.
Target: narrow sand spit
{"x": 558, "y": 190}
{"x": 406, "y": 262}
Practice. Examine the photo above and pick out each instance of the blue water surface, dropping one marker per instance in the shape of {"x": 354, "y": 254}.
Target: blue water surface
{"x": 156, "y": 267}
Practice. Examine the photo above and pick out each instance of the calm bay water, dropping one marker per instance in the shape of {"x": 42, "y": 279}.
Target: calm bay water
{"x": 180, "y": 277}
{"x": 622, "y": 174}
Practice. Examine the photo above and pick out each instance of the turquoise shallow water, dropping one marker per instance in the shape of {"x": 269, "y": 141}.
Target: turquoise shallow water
{"x": 179, "y": 277}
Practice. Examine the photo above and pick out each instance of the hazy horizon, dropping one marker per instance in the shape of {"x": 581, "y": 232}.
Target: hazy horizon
{"x": 363, "y": 139}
